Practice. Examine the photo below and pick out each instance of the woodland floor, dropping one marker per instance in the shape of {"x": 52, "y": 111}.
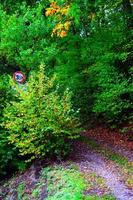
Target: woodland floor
{"x": 104, "y": 159}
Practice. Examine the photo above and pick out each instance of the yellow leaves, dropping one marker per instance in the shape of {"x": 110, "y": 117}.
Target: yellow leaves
{"x": 48, "y": 12}
{"x": 64, "y": 11}
{"x": 54, "y": 5}
{"x": 67, "y": 25}
{"x": 58, "y": 26}
{"x": 60, "y": 29}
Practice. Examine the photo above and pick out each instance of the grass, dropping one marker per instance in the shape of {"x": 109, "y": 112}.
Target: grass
{"x": 62, "y": 183}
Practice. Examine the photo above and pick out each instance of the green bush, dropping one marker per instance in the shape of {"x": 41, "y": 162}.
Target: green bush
{"x": 40, "y": 122}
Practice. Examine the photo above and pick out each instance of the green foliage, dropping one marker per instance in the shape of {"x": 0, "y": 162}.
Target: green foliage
{"x": 11, "y": 6}
{"x": 40, "y": 122}
{"x": 111, "y": 88}
{"x": 93, "y": 64}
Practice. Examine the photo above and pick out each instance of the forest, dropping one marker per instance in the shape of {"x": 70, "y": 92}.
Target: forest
{"x": 66, "y": 100}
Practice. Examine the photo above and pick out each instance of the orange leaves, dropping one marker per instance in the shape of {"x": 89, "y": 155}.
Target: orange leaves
{"x": 61, "y": 29}
{"x": 49, "y": 12}
{"x": 62, "y": 34}
{"x": 54, "y": 5}
{"x": 55, "y": 9}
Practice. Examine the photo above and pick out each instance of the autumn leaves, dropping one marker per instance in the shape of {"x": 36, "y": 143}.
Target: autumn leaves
{"x": 61, "y": 29}
{"x": 54, "y": 8}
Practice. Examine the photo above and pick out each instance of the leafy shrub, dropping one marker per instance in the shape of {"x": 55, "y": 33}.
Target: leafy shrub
{"x": 40, "y": 122}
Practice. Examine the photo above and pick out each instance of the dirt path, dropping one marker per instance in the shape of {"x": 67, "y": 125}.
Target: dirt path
{"x": 88, "y": 159}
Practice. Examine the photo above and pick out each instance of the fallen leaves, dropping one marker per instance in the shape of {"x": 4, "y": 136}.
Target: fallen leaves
{"x": 112, "y": 137}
